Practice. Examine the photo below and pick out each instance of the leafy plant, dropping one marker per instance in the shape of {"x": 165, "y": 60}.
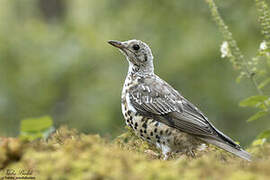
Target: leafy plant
{"x": 256, "y": 69}
{"x": 34, "y": 128}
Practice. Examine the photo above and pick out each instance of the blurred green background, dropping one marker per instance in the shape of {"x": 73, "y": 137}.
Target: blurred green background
{"x": 54, "y": 60}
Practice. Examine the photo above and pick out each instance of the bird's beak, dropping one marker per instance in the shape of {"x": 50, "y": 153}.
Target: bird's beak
{"x": 117, "y": 44}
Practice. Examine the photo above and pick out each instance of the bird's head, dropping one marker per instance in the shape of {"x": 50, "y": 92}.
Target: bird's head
{"x": 138, "y": 54}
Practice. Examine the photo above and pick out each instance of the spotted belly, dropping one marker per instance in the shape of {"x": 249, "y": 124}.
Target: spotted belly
{"x": 164, "y": 137}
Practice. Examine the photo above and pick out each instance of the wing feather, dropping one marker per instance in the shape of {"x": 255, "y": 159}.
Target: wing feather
{"x": 167, "y": 105}
{"x": 155, "y": 98}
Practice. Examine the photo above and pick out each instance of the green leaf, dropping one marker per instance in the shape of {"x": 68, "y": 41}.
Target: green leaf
{"x": 254, "y": 101}
{"x": 264, "y": 134}
{"x": 264, "y": 83}
{"x": 257, "y": 116}
{"x": 30, "y": 136}
{"x": 34, "y": 128}
{"x": 36, "y": 124}
{"x": 258, "y": 142}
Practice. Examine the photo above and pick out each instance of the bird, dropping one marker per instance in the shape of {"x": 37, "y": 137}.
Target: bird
{"x": 159, "y": 114}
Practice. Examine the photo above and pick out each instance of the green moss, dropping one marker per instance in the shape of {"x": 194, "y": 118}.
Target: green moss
{"x": 71, "y": 155}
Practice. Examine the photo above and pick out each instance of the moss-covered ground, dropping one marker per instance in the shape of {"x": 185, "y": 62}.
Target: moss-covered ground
{"x": 68, "y": 154}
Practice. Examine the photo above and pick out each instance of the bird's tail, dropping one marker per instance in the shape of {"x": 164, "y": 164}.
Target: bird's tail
{"x": 223, "y": 145}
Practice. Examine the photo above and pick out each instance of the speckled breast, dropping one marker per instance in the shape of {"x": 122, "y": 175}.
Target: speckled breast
{"x": 164, "y": 137}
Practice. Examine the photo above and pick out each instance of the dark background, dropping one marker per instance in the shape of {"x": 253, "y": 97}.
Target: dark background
{"x": 54, "y": 60}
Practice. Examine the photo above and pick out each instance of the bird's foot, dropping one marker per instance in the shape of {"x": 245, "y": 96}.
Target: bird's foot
{"x": 167, "y": 155}
{"x": 191, "y": 153}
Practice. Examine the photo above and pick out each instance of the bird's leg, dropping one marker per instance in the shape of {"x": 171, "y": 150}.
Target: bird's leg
{"x": 191, "y": 153}
{"x": 166, "y": 155}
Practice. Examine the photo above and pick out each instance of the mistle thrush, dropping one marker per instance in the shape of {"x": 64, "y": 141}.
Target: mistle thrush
{"x": 161, "y": 115}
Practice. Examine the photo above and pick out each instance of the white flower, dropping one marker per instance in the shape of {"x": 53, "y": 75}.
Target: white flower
{"x": 224, "y": 49}
{"x": 263, "y": 46}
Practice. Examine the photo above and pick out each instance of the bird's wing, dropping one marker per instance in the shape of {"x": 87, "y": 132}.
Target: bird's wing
{"x": 155, "y": 98}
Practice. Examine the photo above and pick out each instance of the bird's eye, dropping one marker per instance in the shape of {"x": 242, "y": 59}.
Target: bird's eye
{"x": 136, "y": 47}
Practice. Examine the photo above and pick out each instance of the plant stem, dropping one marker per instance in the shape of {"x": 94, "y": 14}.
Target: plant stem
{"x": 237, "y": 57}
{"x": 251, "y": 76}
